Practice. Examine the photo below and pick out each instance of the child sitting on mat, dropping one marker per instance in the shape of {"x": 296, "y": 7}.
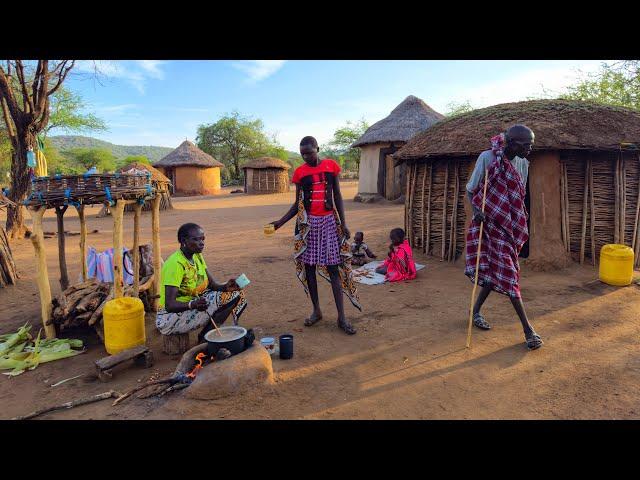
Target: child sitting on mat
{"x": 399, "y": 264}
{"x": 360, "y": 250}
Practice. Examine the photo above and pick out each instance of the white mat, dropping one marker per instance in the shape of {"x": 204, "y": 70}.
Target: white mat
{"x": 367, "y": 273}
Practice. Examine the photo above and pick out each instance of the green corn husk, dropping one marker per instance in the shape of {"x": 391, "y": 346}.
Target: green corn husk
{"x": 15, "y": 338}
{"x": 15, "y": 349}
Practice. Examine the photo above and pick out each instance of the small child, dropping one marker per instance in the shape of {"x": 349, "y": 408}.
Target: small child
{"x": 360, "y": 250}
{"x": 399, "y": 265}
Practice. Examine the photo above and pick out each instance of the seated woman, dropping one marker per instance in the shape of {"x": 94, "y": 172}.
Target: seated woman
{"x": 399, "y": 264}
{"x": 188, "y": 292}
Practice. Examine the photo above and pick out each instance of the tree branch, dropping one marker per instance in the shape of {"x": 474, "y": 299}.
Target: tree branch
{"x": 36, "y": 79}
{"x": 28, "y": 101}
{"x": 6, "y": 92}
{"x": 61, "y": 75}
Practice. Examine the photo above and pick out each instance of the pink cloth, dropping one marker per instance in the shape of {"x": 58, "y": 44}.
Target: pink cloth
{"x": 400, "y": 264}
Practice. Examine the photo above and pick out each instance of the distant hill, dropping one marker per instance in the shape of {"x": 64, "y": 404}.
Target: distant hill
{"x": 67, "y": 142}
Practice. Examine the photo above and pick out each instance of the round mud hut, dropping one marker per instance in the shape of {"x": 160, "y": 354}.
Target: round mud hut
{"x": 582, "y": 188}
{"x": 378, "y": 174}
{"x": 266, "y": 175}
{"x": 191, "y": 171}
{"x": 158, "y": 180}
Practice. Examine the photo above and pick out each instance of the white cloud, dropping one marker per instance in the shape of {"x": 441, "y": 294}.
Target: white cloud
{"x": 136, "y": 73}
{"x": 152, "y": 67}
{"x": 258, "y": 70}
{"x": 117, "y": 108}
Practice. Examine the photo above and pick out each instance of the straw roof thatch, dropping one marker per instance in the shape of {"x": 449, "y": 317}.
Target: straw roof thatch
{"x": 156, "y": 175}
{"x": 410, "y": 117}
{"x": 187, "y": 154}
{"x": 267, "y": 162}
{"x": 557, "y": 124}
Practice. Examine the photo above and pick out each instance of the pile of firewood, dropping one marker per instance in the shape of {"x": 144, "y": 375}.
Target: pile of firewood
{"x": 81, "y": 305}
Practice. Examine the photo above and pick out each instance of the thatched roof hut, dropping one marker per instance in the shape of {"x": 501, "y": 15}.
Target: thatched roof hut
{"x": 158, "y": 179}
{"x": 266, "y": 175}
{"x": 583, "y": 183}
{"x": 191, "y": 171}
{"x": 378, "y": 175}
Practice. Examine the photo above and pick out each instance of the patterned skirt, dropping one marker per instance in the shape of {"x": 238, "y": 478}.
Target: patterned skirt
{"x": 323, "y": 245}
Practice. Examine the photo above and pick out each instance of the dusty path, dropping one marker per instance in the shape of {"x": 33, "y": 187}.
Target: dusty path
{"x": 408, "y": 358}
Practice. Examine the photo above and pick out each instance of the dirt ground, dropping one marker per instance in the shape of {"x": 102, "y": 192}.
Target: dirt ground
{"x": 407, "y": 360}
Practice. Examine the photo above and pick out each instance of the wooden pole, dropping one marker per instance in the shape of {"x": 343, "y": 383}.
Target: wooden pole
{"x": 566, "y": 203}
{"x": 562, "y": 207}
{"x": 584, "y": 210}
{"x": 593, "y": 215}
{"x": 118, "y": 285}
{"x": 137, "y": 208}
{"x": 444, "y": 210}
{"x": 155, "y": 230}
{"x": 623, "y": 195}
{"x": 83, "y": 241}
{"x": 62, "y": 259}
{"x": 37, "y": 238}
{"x": 413, "y": 193}
{"x": 475, "y": 283}
{"x": 424, "y": 178}
{"x": 426, "y": 245}
{"x": 616, "y": 219}
{"x": 454, "y": 216}
{"x": 406, "y": 199}
{"x": 634, "y": 241}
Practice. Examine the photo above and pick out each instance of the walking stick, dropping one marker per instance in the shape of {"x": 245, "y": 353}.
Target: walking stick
{"x": 475, "y": 283}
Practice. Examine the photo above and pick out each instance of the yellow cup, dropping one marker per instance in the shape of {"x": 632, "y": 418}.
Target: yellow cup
{"x": 269, "y": 229}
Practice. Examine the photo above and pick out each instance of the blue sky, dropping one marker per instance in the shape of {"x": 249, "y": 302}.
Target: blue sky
{"x": 151, "y": 102}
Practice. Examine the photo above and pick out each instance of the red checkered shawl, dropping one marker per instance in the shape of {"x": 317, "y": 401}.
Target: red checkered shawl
{"x": 505, "y": 229}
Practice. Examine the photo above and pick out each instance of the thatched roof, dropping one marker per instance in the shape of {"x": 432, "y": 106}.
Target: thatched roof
{"x": 187, "y": 154}
{"x": 557, "y": 124}
{"x": 267, "y": 162}
{"x": 156, "y": 175}
{"x": 407, "y": 119}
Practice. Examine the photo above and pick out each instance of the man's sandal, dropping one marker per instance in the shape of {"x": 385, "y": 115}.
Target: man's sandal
{"x": 311, "y": 320}
{"x": 347, "y": 328}
{"x": 480, "y": 322}
{"x": 534, "y": 341}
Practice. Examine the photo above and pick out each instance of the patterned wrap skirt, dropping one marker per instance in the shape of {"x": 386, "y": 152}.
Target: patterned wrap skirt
{"x": 183, "y": 322}
{"x": 323, "y": 245}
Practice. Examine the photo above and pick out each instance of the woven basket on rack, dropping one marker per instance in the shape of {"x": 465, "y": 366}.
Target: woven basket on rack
{"x": 95, "y": 188}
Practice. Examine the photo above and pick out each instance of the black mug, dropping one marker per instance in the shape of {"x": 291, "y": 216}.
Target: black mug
{"x": 286, "y": 346}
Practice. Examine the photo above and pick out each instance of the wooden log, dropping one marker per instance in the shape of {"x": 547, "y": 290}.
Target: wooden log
{"x": 427, "y": 243}
{"x": 584, "y": 210}
{"x": 137, "y": 208}
{"x": 155, "y": 231}
{"x": 62, "y": 259}
{"x": 112, "y": 361}
{"x": 68, "y": 405}
{"x": 83, "y": 241}
{"x": 97, "y": 314}
{"x": 422, "y": 221}
{"x": 118, "y": 279}
{"x": 175, "y": 344}
{"x": 444, "y": 210}
{"x": 593, "y": 216}
{"x": 7, "y": 264}
{"x": 37, "y": 238}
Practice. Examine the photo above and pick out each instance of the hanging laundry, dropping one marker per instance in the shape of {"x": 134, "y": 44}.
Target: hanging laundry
{"x": 100, "y": 266}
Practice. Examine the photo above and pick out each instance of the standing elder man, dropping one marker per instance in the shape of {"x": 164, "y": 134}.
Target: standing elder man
{"x": 505, "y": 223}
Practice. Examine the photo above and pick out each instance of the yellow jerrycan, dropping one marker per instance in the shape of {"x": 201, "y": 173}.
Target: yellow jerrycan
{"x": 123, "y": 324}
{"x": 616, "y": 264}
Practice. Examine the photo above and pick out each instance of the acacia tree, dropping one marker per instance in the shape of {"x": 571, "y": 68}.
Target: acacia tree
{"x": 25, "y": 91}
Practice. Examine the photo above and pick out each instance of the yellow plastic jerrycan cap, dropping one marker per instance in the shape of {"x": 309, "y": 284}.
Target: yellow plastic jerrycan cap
{"x": 122, "y": 305}
{"x": 617, "y": 250}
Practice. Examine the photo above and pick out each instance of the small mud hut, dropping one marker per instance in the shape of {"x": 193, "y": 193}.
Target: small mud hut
{"x": 158, "y": 180}
{"x": 266, "y": 175}
{"x": 191, "y": 171}
{"x": 378, "y": 175}
{"x": 582, "y": 190}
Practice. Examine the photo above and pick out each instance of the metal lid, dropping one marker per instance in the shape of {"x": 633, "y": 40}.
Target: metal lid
{"x": 229, "y": 334}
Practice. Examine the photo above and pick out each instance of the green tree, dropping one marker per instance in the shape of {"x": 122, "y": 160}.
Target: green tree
{"x": 234, "y": 139}
{"x": 458, "y": 108}
{"x": 67, "y": 114}
{"x": 616, "y": 84}
{"x": 82, "y": 159}
{"x": 339, "y": 147}
{"x": 133, "y": 159}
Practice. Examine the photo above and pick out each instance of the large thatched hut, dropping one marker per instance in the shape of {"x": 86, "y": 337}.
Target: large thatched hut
{"x": 158, "y": 180}
{"x": 266, "y": 175}
{"x": 583, "y": 185}
{"x": 191, "y": 171}
{"x": 378, "y": 175}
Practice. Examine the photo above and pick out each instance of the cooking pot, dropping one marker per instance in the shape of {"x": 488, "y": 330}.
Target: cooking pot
{"x": 231, "y": 338}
